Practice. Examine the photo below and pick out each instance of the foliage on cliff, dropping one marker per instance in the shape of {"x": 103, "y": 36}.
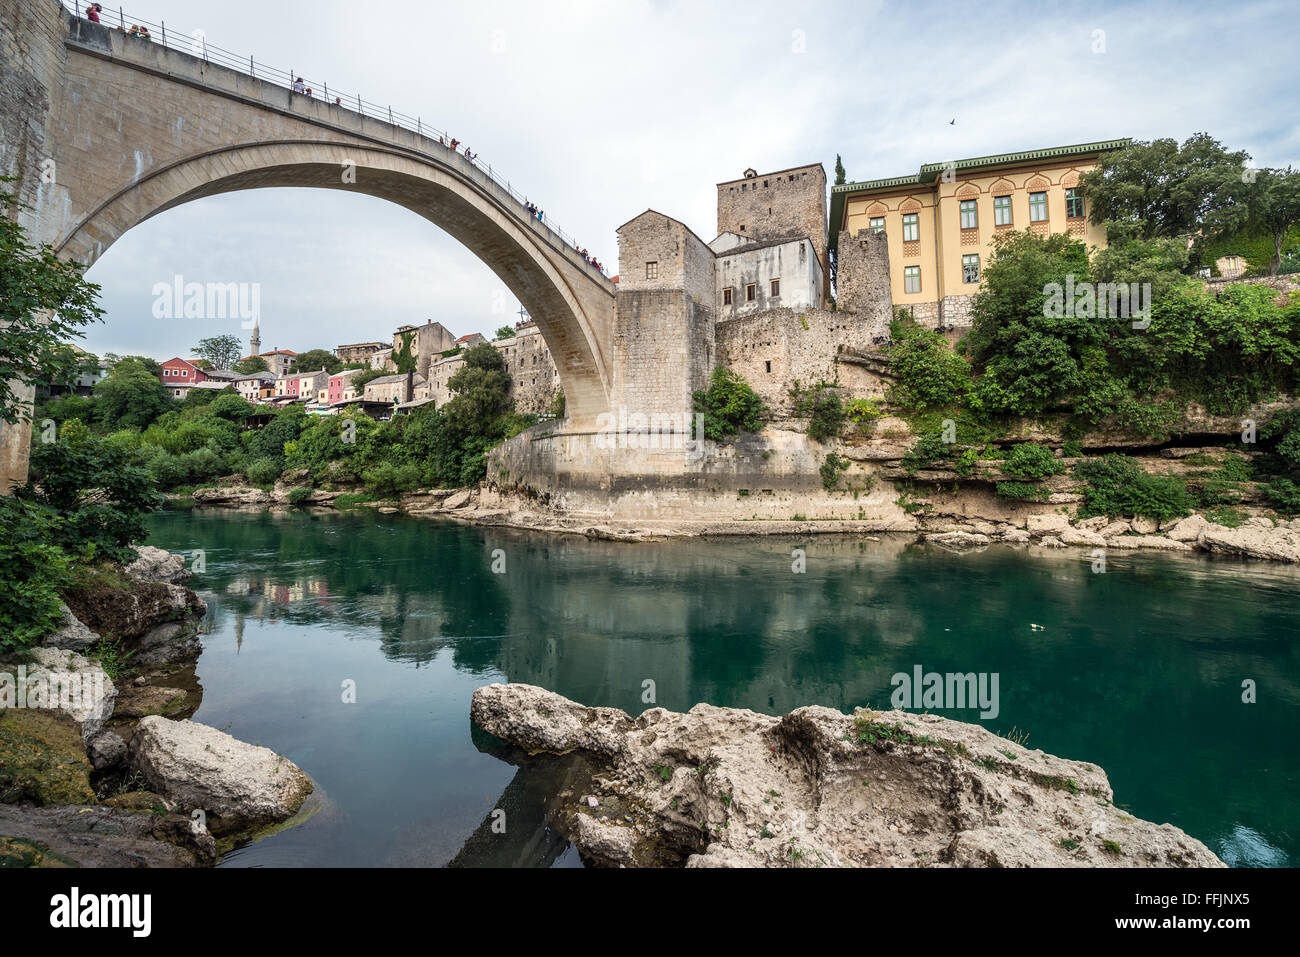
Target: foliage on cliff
{"x": 729, "y": 404}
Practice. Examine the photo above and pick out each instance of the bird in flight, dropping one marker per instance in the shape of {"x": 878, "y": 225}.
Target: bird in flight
{"x": 953, "y": 121}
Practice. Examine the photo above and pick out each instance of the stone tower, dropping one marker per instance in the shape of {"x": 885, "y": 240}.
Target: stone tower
{"x": 786, "y": 204}
{"x": 255, "y": 340}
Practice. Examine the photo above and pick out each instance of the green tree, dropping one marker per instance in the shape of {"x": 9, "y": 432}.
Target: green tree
{"x": 1273, "y": 202}
{"x": 1031, "y": 356}
{"x": 44, "y": 301}
{"x": 1159, "y": 188}
{"x": 251, "y": 364}
{"x": 505, "y": 332}
{"x": 130, "y": 397}
{"x": 315, "y": 359}
{"x": 222, "y": 351}
{"x": 839, "y": 171}
{"x": 99, "y": 496}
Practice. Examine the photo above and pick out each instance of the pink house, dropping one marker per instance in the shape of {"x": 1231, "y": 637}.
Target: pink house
{"x": 179, "y": 375}
{"x": 340, "y": 386}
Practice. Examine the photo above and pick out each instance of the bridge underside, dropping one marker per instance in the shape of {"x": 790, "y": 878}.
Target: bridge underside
{"x": 109, "y": 131}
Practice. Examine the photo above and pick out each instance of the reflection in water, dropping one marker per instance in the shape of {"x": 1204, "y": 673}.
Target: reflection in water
{"x": 1138, "y": 670}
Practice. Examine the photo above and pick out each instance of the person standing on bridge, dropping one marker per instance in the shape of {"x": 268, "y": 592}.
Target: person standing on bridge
{"x": 299, "y": 86}
{"x": 92, "y": 12}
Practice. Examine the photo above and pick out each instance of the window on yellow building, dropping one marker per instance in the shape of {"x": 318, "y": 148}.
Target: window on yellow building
{"x": 1074, "y": 203}
{"x": 970, "y": 268}
{"x": 911, "y": 227}
{"x": 1001, "y": 210}
{"x": 1038, "y": 207}
{"x": 911, "y": 279}
{"x": 969, "y": 219}
{"x": 878, "y": 224}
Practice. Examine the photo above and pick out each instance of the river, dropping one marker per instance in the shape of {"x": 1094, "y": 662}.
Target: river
{"x": 351, "y": 643}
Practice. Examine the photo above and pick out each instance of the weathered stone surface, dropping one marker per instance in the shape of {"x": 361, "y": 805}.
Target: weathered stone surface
{"x": 141, "y": 701}
{"x": 729, "y": 787}
{"x": 71, "y": 634}
{"x": 1049, "y": 523}
{"x": 240, "y": 787}
{"x": 958, "y": 541}
{"x": 42, "y": 759}
{"x": 84, "y": 692}
{"x": 156, "y": 621}
{"x": 1082, "y": 536}
{"x": 1147, "y": 541}
{"x": 1187, "y": 529}
{"x": 234, "y": 495}
{"x": 79, "y": 836}
{"x": 156, "y": 565}
{"x": 1278, "y": 544}
{"x": 458, "y": 500}
{"x": 105, "y": 750}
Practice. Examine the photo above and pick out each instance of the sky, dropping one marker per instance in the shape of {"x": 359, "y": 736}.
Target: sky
{"x": 600, "y": 110}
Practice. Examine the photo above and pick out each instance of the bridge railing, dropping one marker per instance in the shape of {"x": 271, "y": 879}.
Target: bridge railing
{"x": 196, "y": 43}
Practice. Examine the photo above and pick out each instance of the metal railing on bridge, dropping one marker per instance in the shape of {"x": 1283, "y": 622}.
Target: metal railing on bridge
{"x": 196, "y": 43}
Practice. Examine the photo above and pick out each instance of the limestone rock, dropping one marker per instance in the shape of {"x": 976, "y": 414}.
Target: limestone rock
{"x": 1082, "y": 536}
{"x": 1278, "y": 544}
{"x": 1144, "y": 526}
{"x": 1147, "y": 541}
{"x": 71, "y": 634}
{"x": 235, "y": 495}
{"x": 1111, "y": 529}
{"x": 240, "y": 787}
{"x": 1049, "y": 523}
{"x": 1015, "y": 536}
{"x": 957, "y": 541}
{"x": 81, "y": 688}
{"x": 459, "y": 500}
{"x": 155, "y": 565}
{"x": 726, "y": 787}
{"x": 1187, "y": 529}
{"x": 105, "y": 750}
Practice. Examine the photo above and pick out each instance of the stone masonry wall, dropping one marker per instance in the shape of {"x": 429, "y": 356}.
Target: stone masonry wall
{"x": 773, "y": 350}
{"x": 862, "y": 279}
{"x": 777, "y": 205}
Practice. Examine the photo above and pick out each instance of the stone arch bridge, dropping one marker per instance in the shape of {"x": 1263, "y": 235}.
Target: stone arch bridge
{"x": 134, "y": 128}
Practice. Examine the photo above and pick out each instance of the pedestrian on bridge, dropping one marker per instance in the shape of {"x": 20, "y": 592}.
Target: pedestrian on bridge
{"x": 92, "y": 12}
{"x": 299, "y": 86}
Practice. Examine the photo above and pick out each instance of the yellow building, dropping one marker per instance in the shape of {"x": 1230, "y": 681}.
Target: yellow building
{"x": 935, "y": 269}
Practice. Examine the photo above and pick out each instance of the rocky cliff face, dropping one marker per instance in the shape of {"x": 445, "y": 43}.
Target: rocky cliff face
{"x": 734, "y": 788}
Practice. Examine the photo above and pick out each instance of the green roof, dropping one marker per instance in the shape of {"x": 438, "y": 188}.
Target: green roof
{"x": 930, "y": 171}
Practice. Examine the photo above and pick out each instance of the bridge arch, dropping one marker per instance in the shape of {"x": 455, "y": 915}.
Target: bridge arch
{"x": 500, "y": 238}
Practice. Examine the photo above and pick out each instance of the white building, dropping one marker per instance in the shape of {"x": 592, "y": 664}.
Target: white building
{"x": 753, "y": 276}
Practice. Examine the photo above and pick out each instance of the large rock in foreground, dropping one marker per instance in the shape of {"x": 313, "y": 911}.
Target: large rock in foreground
{"x": 240, "y": 787}
{"x": 729, "y": 787}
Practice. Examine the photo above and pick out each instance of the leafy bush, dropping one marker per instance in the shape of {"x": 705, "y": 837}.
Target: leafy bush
{"x": 929, "y": 373}
{"x": 32, "y": 571}
{"x": 832, "y": 469}
{"x": 1032, "y": 461}
{"x": 1025, "y": 491}
{"x": 264, "y": 470}
{"x": 730, "y": 405}
{"x": 1118, "y": 486}
{"x": 100, "y": 498}
{"x": 299, "y": 495}
{"x": 1285, "y": 496}
{"x": 928, "y": 449}
{"x": 389, "y": 480}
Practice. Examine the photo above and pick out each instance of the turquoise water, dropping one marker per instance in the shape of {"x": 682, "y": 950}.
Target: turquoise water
{"x": 1139, "y": 670}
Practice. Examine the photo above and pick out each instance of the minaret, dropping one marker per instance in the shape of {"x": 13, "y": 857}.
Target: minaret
{"x": 255, "y": 340}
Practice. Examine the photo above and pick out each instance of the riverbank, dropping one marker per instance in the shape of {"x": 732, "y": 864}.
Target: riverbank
{"x": 99, "y": 764}
{"x": 1257, "y": 536}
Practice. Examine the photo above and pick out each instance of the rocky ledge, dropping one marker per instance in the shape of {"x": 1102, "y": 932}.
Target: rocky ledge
{"x": 72, "y": 765}
{"x": 725, "y": 787}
